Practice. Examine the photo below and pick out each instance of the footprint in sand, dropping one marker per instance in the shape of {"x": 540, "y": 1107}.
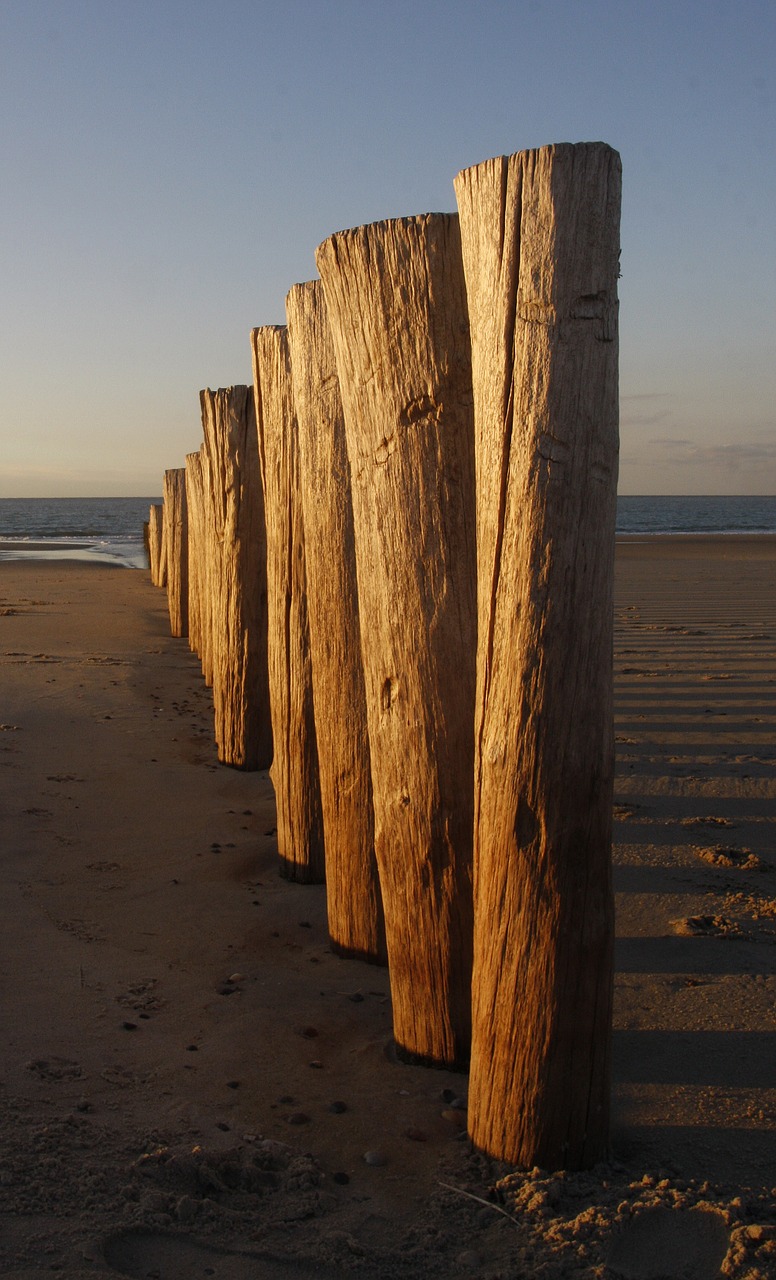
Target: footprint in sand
{"x": 722, "y": 856}
{"x": 669, "y": 1242}
{"x": 54, "y": 1068}
{"x": 623, "y": 812}
{"x": 707, "y": 927}
{"x": 148, "y": 1253}
{"x": 706, "y": 822}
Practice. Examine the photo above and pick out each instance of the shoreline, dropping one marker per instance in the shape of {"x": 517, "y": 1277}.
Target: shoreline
{"x": 41, "y": 553}
{"x": 167, "y": 991}
{"x": 84, "y": 554}
{"x": 700, "y": 539}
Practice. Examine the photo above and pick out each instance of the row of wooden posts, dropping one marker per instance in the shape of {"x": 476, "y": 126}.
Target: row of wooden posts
{"x": 394, "y": 557}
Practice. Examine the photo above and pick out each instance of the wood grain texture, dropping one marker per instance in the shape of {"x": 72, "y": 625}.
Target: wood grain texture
{"x": 236, "y": 579}
{"x": 397, "y": 308}
{"x": 156, "y": 560}
{"x": 295, "y": 759}
{"x": 176, "y": 545}
{"x": 540, "y": 236}
{"x": 353, "y": 898}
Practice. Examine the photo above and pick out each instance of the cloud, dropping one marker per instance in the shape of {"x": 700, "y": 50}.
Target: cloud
{"x": 742, "y": 455}
{"x": 644, "y": 410}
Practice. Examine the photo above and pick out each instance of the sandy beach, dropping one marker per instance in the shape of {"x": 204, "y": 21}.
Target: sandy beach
{"x": 190, "y": 1080}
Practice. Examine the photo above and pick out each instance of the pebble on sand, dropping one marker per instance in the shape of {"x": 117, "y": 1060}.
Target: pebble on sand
{"x": 457, "y": 1118}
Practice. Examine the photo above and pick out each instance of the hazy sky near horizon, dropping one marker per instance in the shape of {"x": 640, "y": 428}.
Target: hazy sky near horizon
{"x": 169, "y": 167}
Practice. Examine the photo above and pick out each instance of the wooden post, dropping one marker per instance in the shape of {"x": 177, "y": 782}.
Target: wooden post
{"x": 352, "y": 887}
{"x": 540, "y": 236}
{"x": 295, "y": 760}
{"x": 195, "y": 499}
{"x": 208, "y": 552}
{"x": 177, "y": 550}
{"x": 397, "y": 307}
{"x": 157, "y": 562}
{"x": 238, "y": 583}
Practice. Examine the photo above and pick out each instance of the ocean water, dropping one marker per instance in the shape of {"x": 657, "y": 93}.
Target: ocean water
{"x": 105, "y": 530}
{"x": 110, "y": 530}
{"x": 696, "y": 515}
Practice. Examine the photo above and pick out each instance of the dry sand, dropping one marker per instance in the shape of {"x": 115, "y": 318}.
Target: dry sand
{"x": 189, "y": 1080}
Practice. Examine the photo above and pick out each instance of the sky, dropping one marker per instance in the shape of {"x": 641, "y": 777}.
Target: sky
{"x": 168, "y": 167}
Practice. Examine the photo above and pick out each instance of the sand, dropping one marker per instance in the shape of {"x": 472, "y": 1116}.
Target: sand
{"x": 190, "y": 1080}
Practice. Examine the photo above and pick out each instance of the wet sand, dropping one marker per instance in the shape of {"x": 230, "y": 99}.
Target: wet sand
{"x": 17, "y": 546}
{"x": 189, "y": 1079}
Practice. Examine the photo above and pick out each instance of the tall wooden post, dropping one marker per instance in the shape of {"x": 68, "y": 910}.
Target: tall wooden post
{"x": 397, "y": 307}
{"x": 195, "y": 499}
{"x": 295, "y": 759}
{"x": 176, "y": 544}
{"x": 238, "y": 586}
{"x": 209, "y": 551}
{"x": 352, "y": 887}
{"x": 156, "y": 560}
{"x": 540, "y": 236}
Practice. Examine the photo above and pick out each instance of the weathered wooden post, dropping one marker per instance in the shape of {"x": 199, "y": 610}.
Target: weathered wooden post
{"x": 352, "y": 886}
{"x": 540, "y": 236}
{"x": 295, "y": 759}
{"x": 209, "y": 552}
{"x": 158, "y": 566}
{"x": 195, "y": 498}
{"x": 176, "y": 544}
{"x": 238, "y": 584}
{"x": 397, "y": 307}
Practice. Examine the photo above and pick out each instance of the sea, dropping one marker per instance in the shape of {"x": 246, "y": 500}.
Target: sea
{"x": 102, "y": 530}
{"x": 110, "y": 530}
{"x": 696, "y": 515}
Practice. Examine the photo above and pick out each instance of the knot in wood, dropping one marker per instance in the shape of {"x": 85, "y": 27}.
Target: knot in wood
{"x": 421, "y": 409}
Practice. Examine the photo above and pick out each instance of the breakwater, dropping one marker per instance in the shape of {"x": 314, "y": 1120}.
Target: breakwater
{"x": 394, "y": 556}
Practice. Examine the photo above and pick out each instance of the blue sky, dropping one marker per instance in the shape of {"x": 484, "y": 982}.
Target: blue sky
{"x": 169, "y": 167}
